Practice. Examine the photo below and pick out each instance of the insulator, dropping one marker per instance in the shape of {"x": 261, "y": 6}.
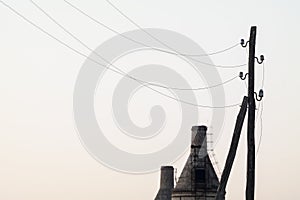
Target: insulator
{"x": 241, "y": 74}
{"x": 242, "y": 41}
{"x": 261, "y": 93}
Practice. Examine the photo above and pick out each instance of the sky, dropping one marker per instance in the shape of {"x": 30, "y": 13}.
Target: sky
{"x": 41, "y": 154}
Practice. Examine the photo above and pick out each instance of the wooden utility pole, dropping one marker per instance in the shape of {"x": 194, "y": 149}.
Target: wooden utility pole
{"x": 250, "y": 102}
{"x": 251, "y": 119}
{"x": 232, "y": 151}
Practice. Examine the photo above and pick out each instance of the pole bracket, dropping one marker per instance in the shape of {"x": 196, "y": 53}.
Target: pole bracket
{"x": 242, "y": 75}
{"x": 243, "y": 43}
{"x": 262, "y": 58}
{"x": 260, "y": 95}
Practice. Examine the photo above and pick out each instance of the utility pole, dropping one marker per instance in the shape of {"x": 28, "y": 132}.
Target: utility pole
{"x": 252, "y": 95}
{"x": 251, "y": 118}
{"x": 250, "y": 102}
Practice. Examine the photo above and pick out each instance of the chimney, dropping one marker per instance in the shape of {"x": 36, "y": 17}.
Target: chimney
{"x": 166, "y": 183}
{"x": 199, "y": 140}
{"x": 167, "y": 177}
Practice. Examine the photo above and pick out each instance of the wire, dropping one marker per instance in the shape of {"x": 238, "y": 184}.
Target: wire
{"x": 161, "y": 42}
{"x": 261, "y": 129}
{"x": 203, "y": 88}
{"x": 263, "y": 75}
{"x": 138, "y": 42}
{"x": 201, "y": 55}
{"x": 78, "y": 52}
{"x": 261, "y": 112}
{"x": 246, "y": 86}
{"x": 173, "y": 52}
{"x": 123, "y": 72}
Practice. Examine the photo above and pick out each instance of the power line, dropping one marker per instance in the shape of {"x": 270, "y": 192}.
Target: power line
{"x": 164, "y": 44}
{"x": 201, "y": 55}
{"x": 141, "y": 43}
{"x": 203, "y": 88}
{"x": 261, "y": 112}
{"x": 78, "y": 52}
{"x": 261, "y": 129}
{"x": 123, "y": 72}
{"x": 173, "y": 52}
{"x": 263, "y": 75}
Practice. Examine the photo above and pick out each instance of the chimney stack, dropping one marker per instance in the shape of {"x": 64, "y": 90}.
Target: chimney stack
{"x": 199, "y": 140}
{"x": 167, "y": 177}
{"x": 166, "y": 183}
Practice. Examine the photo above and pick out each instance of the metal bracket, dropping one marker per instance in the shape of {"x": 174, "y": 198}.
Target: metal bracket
{"x": 243, "y": 43}
{"x": 242, "y": 75}
{"x": 260, "y": 95}
{"x": 262, "y": 58}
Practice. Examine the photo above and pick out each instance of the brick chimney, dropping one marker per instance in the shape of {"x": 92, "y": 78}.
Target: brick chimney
{"x": 166, "y": 183}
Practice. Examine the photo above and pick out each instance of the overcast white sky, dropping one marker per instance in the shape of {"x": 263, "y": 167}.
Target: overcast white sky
{"x": 41, "y": 156}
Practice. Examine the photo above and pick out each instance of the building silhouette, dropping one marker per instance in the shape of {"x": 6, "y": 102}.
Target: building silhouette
{"x": 198, "y": 180}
